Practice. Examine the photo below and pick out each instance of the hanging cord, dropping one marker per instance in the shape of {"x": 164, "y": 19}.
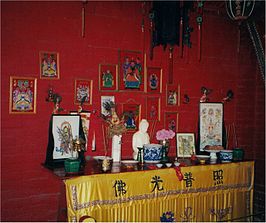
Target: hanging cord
{"x": 254, "y": 35}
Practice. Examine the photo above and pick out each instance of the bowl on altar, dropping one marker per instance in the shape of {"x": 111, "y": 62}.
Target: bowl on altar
{"x": 152, "y": 152}
{"x": 202, "y": 158}
{"x": 226, "y": 156}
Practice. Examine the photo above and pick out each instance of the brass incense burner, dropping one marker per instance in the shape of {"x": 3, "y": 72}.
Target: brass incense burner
{"x": 79, "y": 144}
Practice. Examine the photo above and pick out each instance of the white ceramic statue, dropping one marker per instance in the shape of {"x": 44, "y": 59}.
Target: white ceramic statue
{"x": 140, "y": 137}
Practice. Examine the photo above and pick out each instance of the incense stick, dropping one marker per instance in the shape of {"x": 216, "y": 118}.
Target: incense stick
{"x": 104, "y": 141}
{"x": 235, "y": 137}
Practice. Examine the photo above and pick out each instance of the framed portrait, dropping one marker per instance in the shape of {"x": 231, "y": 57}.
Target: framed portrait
{"x": 171, "y": 121}
{"x": 49, "y": 65}
{"x": 153, "y": 80}
{"x": 22, "y": 95}
{"x": 172, "y": 95}
{"x": 83, "y": 91}
{"x": 62, "y": 130}
{"x": 132, "y": 114}
{"x": 153, "y": 108}
{"x": 105, "y": 99}
{"x": 108, "y": 77}
{"x": 211, "y": 125}
{"x": 131, "y": 71}
{"x": 185, "y": 144}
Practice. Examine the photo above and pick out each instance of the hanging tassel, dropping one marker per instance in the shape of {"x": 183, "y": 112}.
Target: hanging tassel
{"x": 170, "y": 67}
{"x": 181, "y": 37}
{"x": 83, "y": 18}
{"x": 181, "y": 30}
{"x": 151, "y": 15}
{"x": 199, "y": 21}
{"x": 199, "y": 42}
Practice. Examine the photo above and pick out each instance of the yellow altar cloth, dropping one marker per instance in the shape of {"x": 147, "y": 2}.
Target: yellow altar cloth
{"x": 206, "y": 193}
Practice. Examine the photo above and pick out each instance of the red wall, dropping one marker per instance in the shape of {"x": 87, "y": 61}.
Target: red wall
{"x": 30, "y": 192}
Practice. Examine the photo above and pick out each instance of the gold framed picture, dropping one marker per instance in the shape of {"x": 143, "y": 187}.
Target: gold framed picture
{"x": 23, "y": 94}
{"x": 49, "y": 65}
{"x": 185, "y": 144}
{"x": 108, "y": 77}
{"x": 83, "y": 91}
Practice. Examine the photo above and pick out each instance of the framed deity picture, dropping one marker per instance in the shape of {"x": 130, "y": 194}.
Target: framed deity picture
{"x": 22, "y": 95}
{"x": 108, "y": 77}
{"x": 153, "y": 80}
{"x": 185, "y": 144}
{"x": 62, "y": 130}
{"x": 49, "y": 65}
{"x": 171, "y": 121}
{"x": 153, "y": 108}
{"x": 172, "y": 95}
{"x": 132, "y": 114}
{"x": 211, "y": 125}
{"x": 131, "y": 72}
{"x": 106, "y": 99}
{"x": 83, "y": 91}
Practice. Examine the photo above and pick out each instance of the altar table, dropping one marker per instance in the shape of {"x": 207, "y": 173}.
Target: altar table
{"x": 218, "y": 192}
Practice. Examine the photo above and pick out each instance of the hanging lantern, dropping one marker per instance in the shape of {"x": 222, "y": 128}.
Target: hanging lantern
{"x": 239, "y": 10}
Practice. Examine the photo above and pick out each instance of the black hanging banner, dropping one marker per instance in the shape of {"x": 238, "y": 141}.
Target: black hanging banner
{"x": 166, "y": 22}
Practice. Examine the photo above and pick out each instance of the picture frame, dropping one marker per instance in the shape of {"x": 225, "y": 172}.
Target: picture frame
{"x": 153, "y": 108}
{"x": 108, "y": 77}
{"x": 171, "y": 121}
{"x": 22, "y": 95}
{"x": 49, "y": 65}
{"x": 172, "y": 95}
{"x": 153, "y": 80}
{"x": 83, "y": 88}
{"x": 131, "y": 71}
{"x": 62, "y": 129}
{"x": 185, "y": 144}
{"x": 131, "y": 111}
{"x": 105, "y": 99}
{"x": 211, "y": 125}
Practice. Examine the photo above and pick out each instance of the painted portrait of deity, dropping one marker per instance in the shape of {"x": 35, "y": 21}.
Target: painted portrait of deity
{"x": 22, "y": 95}
{"x": 49, "y": 65}
{"x": 131, "y": 71}
{"x": 83, "y": 91}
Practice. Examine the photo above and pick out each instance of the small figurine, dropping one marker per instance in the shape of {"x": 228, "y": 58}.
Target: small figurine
{"x": 50, "y": 97}
{"x": 205, "y": 93}
{"x": 57, "y": 101}
{"x": 186, "y": 99}
{"x": 229, "y": 96}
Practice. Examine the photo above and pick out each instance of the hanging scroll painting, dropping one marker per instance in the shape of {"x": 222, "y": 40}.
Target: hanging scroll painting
{"x": 83, "y": 91}
{"x": 131, "y": 112}
{"x": 22, "y": 99}
{"x": 154, "y": 80}
{"x": 49, "y": 65}
{"x": 131, "y": 75}
{"x": 210, "y": 125}
{"x": 172, "y": 95}
{"x": 108, "y": 77}
{"x": 153, "y": 105}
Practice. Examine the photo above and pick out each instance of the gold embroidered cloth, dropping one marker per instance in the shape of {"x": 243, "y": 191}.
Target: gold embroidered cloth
{"x": 207, "y": 193}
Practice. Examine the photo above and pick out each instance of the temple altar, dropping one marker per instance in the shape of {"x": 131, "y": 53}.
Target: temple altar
{"x": 211, "y": 192}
